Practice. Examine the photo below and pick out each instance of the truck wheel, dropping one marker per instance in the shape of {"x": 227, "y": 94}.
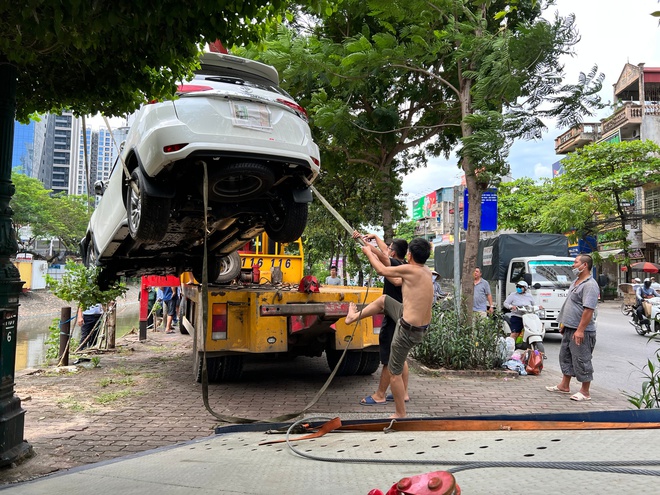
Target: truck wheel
{"x": 147, "y": 215}
{"x": 288, "y": 219}
{"x": 369, "y": 363}
{"x": 225, "y": 368}
{"x": 350, "y": 364}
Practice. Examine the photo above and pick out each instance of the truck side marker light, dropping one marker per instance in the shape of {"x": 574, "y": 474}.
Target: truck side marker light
{"x": 271, "y": 340}
{"x": 377, "y": 321}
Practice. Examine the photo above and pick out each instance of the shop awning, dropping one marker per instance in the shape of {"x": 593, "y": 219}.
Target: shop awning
{"x": 611, "y": 252}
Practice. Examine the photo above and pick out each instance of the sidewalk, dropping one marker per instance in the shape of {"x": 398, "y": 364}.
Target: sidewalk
{"x": 144, "y": 396}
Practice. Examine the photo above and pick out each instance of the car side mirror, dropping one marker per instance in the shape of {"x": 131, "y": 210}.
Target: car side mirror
{"x": 527, "y": 277}
{"x": 99, "y": 187}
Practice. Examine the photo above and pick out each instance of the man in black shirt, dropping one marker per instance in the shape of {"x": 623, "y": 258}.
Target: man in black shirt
{"x": 391, "y": 255}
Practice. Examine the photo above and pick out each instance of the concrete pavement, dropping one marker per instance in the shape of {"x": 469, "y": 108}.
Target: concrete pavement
{"x": 144, "y": 397}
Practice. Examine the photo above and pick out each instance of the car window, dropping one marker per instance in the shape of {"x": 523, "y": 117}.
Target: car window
{"x": 233, "y": 76}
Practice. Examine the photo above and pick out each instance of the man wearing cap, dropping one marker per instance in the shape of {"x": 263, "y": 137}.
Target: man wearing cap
{"x": 521, "y": 297}
{"x": 333, "y": 279}
{"x": 438, "y": 294}
{"x": 636, "y": 283}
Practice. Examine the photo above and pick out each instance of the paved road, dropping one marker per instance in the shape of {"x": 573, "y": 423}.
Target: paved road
{"x": 619, "y": 353}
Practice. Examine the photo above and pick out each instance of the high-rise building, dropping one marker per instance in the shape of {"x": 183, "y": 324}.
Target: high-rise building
{"x": 23, "y": 152}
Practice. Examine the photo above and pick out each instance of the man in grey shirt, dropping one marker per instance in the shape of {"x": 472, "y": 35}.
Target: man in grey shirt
{"x": 483, "y": 299}
{"x": 578, "y": 328}
{"x": 333, "y": 279}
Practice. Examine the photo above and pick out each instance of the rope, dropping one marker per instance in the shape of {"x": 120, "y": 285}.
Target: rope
{"x": 205, "y": 385}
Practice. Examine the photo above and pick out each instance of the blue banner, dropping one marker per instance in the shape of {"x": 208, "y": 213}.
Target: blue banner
{"x": 488, "y": 209}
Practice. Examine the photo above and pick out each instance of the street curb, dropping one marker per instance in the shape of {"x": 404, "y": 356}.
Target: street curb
{"x": 425, "y": 370}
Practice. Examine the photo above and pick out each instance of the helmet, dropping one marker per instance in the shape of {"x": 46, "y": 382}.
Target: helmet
{"x": 647, "y": 282}
{"x": 522, "y": 284}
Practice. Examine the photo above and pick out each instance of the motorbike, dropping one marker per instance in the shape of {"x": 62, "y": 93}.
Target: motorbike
{"x": 648, "y": 324}
{"x": 533, "y": 329}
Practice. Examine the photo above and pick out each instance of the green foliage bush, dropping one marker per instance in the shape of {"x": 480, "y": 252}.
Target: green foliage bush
{"x": 454, "y": 343}
{"x": 649, "y": 396}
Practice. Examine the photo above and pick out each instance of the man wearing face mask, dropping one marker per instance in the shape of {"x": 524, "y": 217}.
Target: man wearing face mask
{"x": 578, "y": 328}
{"x": 521, "y": 297}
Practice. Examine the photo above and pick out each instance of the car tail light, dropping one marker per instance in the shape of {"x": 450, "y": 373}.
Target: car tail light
{"x": 192, "y": 88}
{"x": 219, "y": 322}
{"x": 316, "y": 161}
{"x": 377, "y": 321}
{"x": 171, "y": 148}
{"x": 294, "y": 106}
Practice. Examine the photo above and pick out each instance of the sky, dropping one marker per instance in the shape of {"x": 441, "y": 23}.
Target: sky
{"x": 613, "y": 33}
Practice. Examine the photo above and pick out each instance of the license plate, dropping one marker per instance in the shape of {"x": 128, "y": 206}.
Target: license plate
{"x": 251, "y": 115}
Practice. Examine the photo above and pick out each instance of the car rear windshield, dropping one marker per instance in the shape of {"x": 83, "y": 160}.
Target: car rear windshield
{"x": 232, "y": 76}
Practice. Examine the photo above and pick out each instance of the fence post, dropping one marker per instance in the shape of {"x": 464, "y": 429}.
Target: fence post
{"x": 65, "y": 335}
{"x": 112, "y": 325}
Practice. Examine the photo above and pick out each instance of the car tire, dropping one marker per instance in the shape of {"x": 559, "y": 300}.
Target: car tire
{"x": 222, "y": 269}
{"x": 288, "y": 221}
{"x": 230, "y": 268}
{"x": 147, "y": 215}
{"x": 240, "y": 182}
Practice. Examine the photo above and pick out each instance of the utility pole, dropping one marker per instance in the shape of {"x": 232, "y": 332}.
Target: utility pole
{"x": 12, "y": 416}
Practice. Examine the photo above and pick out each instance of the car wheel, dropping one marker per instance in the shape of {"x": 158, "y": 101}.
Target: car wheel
{"x": 147, "y": 215}
{"x": 230, "y": 268}
{"x": 222, "y": 269}
{"x": 288, "y": 220}
{"x": 240, "y": 182}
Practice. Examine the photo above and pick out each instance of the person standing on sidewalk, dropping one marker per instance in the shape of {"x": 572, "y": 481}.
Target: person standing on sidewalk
{"x": 167, "y": 296}
{"x": 392, "y": 255}
{"x": 412, "y": 317}
{"x": 482, "y": 302}
{"x": 577, "y": 324}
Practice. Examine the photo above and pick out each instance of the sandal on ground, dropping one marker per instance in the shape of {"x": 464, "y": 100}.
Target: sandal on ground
{"x": 369, "y": 401}
{"x": 579, "y": 397}
{"x": 169, "y": 331}
{"x": 554, "y": 388}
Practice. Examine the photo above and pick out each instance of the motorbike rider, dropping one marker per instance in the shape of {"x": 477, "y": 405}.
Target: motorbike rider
{"x": 645, "y": 291}
{"x": 521, "y": 297}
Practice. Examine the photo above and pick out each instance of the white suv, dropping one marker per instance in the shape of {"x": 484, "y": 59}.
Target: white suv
{"x": 255, "y": 142}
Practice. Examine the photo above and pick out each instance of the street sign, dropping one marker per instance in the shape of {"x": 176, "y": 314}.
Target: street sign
{"x": 488, "y": 209}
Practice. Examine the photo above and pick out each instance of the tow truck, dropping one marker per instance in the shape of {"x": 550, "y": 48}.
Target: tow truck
{"x": 270, "y": 309}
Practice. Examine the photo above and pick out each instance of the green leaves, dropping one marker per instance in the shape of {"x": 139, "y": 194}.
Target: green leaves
{"x": 79, "y": 284}
{"x": 98, "y": 57}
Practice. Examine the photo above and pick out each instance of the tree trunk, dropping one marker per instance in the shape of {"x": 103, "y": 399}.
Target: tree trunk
{"x": 112, "y": 325}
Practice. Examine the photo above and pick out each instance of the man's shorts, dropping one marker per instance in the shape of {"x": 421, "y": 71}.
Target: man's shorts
{"x": 171, "y": 307}
{"x": 403, "y": 340}
{"x": 575, "y": 360}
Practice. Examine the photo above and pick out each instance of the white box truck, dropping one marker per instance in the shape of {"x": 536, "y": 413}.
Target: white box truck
{"x": 540, "y": 259}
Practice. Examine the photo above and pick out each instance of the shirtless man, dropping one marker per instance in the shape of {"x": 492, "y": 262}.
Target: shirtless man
{"x": 412, "y": 316}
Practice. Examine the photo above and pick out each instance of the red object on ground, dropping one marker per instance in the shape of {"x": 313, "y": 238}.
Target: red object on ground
{"x": 435, "y": 483}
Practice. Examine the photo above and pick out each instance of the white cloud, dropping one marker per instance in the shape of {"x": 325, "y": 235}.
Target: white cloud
{"x": 613, "y": 33}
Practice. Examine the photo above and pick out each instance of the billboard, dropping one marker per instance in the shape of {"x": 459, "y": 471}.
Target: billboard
{"x": 424, "y": 207}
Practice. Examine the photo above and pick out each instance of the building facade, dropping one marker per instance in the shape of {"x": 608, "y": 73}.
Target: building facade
{"x": 636, "y": 117}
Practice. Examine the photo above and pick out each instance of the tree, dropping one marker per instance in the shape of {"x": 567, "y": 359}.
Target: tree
{"x": 405, "y": 230}
{"x": 30, "y": 203}
{"x": 604, "y": 175}
{"x": 498, "y": 62}
{"x": 369, "y": 119}
{"x": 110, "y": 57}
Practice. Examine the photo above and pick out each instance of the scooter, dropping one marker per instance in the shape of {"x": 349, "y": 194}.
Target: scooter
{"x": 533, "y": 329}
{"x": 648, "y": 324}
